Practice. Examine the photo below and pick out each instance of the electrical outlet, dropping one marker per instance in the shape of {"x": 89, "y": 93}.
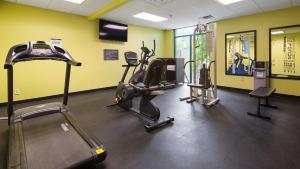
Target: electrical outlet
{"x": 17, "y": 91}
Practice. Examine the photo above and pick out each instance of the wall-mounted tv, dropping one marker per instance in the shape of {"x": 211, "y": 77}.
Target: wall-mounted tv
{"x": 112, "y": 31}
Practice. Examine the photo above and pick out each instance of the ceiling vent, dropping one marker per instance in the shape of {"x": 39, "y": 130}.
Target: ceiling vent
{"x": 158, "y": 2}
{"x": 207, "y": 17}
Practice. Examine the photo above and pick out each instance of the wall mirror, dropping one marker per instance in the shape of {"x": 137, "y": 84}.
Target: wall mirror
{"x": 285, "y": 52}
{"x": 240, "y": 53}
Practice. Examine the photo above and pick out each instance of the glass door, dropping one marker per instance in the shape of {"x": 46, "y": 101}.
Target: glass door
{"x": 201, "y": 53}
{"x": 183, "y": 50}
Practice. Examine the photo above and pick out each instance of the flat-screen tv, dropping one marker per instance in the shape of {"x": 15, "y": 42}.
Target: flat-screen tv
{"x": 112, "y": 31}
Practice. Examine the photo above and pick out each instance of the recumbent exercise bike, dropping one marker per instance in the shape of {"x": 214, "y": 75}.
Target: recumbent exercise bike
{"x": 146, "y": 82}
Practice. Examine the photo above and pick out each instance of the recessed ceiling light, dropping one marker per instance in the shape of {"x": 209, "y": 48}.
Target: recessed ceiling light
{"x": 75, "y": 1}
{"x": 277, "y": 32}
{"x": 150, "y": 17}
{"x": 227, "y": 2}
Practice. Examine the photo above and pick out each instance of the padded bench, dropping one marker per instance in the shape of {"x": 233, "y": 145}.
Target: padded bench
{"x": 262, "y": 93}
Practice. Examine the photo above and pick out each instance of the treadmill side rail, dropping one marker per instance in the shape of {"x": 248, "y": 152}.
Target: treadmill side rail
{"x": 98, "y": 148}
{"x": 17, "y": 154}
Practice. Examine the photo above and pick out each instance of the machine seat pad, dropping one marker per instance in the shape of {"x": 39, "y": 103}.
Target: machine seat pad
{"x": 262, "y": 92}
{"x": 196, "y": 85}
{"x": 39, "y": 110}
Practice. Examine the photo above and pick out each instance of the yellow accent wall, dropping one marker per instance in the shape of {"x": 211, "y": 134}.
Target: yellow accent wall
{"x": 260, "y": 22}
{"x": 168, "y": 44}
{"x": 19, "y": 24}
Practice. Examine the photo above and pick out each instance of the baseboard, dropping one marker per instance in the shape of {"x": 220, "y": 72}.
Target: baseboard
{"x": 58, "y": 95}
{"x": 248, "y": 90}
{"x": 233, "y": 88}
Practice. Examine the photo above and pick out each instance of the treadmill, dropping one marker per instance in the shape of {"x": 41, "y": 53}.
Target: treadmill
{"x": 46, "y": 136}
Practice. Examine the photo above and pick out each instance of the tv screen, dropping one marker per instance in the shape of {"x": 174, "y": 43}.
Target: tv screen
{"x": 112, "y": 31}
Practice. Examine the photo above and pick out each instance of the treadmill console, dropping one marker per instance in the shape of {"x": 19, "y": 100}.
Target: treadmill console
{"x": 41, "y": 49}
{"x": 38, "y": 50}
{"x": 131, "y": 58}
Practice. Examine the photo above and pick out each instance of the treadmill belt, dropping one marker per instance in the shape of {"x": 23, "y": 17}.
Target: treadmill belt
{"x": 53, "y": 144}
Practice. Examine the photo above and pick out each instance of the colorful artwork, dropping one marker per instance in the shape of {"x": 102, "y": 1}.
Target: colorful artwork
{"x": 240, "y": 53}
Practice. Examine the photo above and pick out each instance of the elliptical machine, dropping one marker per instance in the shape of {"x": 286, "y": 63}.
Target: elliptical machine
{"x": 146, "y": 82}
{"x": 138, "y": 76}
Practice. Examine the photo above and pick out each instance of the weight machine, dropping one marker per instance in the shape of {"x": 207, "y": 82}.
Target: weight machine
{"x": 204, "y": 56}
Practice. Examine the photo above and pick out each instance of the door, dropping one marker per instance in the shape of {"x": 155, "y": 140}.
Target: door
{"x": 183, "y": 50}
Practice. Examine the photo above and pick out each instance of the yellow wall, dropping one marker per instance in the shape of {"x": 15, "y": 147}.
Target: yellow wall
{"x": 260, "y": 22}
{"x": 19, "y": 24}
{"x": 168, "y": 44}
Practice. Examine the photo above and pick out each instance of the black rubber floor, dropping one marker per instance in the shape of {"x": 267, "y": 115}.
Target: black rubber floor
{"x": 222, "y": 137}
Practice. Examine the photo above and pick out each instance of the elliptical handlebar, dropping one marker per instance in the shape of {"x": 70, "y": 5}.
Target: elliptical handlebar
{"x": 154, "y": 48}
{"x": 146, "y": 55}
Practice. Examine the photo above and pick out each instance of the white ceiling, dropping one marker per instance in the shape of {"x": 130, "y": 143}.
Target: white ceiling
{"x": 181, "y": 13}
{"x": 86, "y": 8}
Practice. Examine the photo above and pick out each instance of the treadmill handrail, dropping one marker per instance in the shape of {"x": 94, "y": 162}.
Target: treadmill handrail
{"x": 36, "y": 50}
{"x": 24, "y": 52}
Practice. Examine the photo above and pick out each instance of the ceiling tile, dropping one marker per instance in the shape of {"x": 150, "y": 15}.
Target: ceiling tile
{"x": 244, "y": 8}
{"x": 37, "y": 3}
{"x": 296, "y": 2}
{"x": 180, "y": 13}
{"x": 90, "y": 6}
{"x": 63, "y": 6}
{"x": 268, "y": 5}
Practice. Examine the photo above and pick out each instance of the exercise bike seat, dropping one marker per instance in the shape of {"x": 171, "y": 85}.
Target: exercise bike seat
{"x": 153, "y": 74}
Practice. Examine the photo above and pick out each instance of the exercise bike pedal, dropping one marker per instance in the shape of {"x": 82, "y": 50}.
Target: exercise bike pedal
{"x": 155, "y": 125}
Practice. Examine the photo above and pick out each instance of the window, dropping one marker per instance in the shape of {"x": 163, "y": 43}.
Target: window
{"x": 285, "y": 52}
{"x": 184, "y": 48}
{"x": 185, "y": 31}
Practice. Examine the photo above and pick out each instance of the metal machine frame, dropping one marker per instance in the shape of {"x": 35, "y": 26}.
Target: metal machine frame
{"x": 208, "y": 95}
